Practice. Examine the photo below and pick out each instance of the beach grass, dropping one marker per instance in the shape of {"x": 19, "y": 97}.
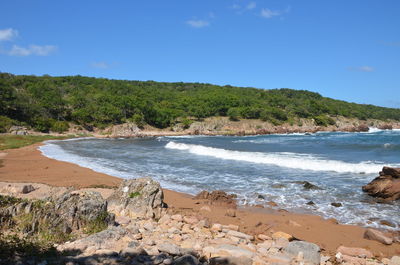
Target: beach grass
{"x": 8, "y": 141}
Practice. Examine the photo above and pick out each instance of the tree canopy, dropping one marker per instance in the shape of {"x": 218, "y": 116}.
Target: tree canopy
{"x": 44, "y": 102}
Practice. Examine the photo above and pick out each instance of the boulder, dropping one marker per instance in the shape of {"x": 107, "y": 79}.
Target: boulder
{"x": 76, "y": 210}
{"x": 376, "y": 235}
{"x": 142, "y": 197}
{"x": 311, "y": 252}
{"x": 386, "y": 186}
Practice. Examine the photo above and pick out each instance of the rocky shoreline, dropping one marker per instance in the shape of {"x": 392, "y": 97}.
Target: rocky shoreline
{"x": 133, "y": 225}
{"x": 222, "y": 126}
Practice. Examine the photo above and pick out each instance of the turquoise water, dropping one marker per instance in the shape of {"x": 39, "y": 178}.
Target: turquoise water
{"x": 270, "y": 165}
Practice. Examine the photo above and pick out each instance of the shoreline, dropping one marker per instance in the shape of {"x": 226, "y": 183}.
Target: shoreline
{"x": 27, "y": 164}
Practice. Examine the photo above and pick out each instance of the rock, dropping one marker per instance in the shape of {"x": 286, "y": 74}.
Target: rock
{"x": 27, "y": 189}
{"x": 77, "y": 210}
{"x": 391, "y": 171}
{"x": 230, "y": 212}
{"x": 103, "y": 240}
{"x": 261, "y": 197}
{"x": 216, "y": 227}
{"x": 263, "y": 237}
{"x": 142, "y": 197}
{"x": 352, "y": 260}
{"x": 395, "y": 260}
{"x": 281, "y": 243}
{"x": 311, "y": 252}
{"x": 386, "y": 186}
{"x": 205, "y": 209}
{"x": 336, "y": 204}
{"x": 231, "y": 261}
{"x": 18, "y": 130}
{"x": 308, "y": 186}
{"x": 186, "y": 260}
{"x": 310, "y": 203}
{"x": 362, "y": 128}
{"x": 272, "y": 204}
{"x": 217, "y": 197}
{"x": 224, "y": 250}
{"x": 376, "y": 235}
{"x": 169, "y": 248}
{"x": 190, "y": 220}
{"x": 355, "y": 252}
{"x": 240, "y": 235}
{"x": 125, "y": 130}
{"x": 387, "y": 223}
{"x": 280, "y": 234}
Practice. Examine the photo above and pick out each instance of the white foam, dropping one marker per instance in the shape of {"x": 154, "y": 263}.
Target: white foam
{"x": 282, "y": 159}
{"x": 374, "y": 130}
{"x": 54, "y": 151}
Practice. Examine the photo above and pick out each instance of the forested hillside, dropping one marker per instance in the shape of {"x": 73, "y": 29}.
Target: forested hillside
{"x": 49, "y": 103}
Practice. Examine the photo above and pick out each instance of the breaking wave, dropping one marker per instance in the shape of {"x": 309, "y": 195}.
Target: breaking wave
{"x": 281, "y": 159}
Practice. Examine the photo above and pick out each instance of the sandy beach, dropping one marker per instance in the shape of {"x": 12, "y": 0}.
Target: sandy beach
{"x": 27, "y": 164}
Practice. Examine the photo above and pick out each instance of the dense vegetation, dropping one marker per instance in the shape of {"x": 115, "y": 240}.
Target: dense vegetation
{"x": 49, "y": 103}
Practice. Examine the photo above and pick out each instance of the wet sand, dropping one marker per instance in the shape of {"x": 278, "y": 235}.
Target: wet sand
{"x": 27, "y": 164}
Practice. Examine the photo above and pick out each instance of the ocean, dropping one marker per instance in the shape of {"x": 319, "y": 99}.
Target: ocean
{"x": 259, "y": 169}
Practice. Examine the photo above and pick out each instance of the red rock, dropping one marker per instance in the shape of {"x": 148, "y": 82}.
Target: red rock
{"x": 386, "y": 186}
{"x": 376, "y": 235}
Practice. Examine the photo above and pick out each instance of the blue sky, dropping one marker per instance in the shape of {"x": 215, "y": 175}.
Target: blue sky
{"x": 345, "y": 49}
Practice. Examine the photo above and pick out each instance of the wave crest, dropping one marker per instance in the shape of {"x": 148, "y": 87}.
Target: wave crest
{"x": 282, "y": 159}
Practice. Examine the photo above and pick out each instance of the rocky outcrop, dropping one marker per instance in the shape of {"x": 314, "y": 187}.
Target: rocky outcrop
{"x": 217, "y": 197}
{"x": 18, "y": 130}
{"x": 142, "y": 197}
{"x": 86, "y": 212}
{"x": 386, "y": 186}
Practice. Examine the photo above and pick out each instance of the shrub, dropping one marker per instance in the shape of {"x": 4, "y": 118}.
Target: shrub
{"x": 186, "y": 123}
{"x": 5, "y": 124}
{"x": 323, "y": 120}
{"x": 134, "y": 194}
{"x": 138, "y": 119}
{"x": 233, "y": 114}
{"x": 60, "y": 126}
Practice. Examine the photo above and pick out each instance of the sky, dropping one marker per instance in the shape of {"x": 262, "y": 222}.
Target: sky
{"x": 344, "y": 49}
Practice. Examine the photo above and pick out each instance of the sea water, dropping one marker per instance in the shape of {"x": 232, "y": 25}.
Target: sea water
{"x": 273, "y": 166}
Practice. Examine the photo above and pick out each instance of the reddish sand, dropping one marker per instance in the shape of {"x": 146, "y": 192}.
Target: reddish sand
{"x": 27, "y": 164}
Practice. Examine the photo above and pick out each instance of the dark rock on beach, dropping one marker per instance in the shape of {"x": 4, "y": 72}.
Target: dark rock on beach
{"x": 217, "y": 197}
{"x": 386, "y": 186}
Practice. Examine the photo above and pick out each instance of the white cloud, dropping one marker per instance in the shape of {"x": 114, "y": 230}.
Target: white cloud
{"x": 198, "y": 23}
{"x": 32, "y": 50}
{"x": 364, "y": 68}
{"x": 268, "y": 13}
{"x": 8, "y": 34}
{"x": 100, "y": 65}
{"x": 251, "y": 5}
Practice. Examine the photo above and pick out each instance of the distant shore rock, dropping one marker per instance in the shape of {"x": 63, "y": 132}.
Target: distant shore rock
{"x": 386, "y": 186}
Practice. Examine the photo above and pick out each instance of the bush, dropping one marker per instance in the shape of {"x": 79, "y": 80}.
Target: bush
{"x": 323, "y": 120}
{"x": 5, "y": 124}
{"x": 186, "y": 123}
{"x": 42, "y": 124}
{"x": 233, "y": 114}
{"x": 138, "y": 119}
{"x": 60, "y": 126}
